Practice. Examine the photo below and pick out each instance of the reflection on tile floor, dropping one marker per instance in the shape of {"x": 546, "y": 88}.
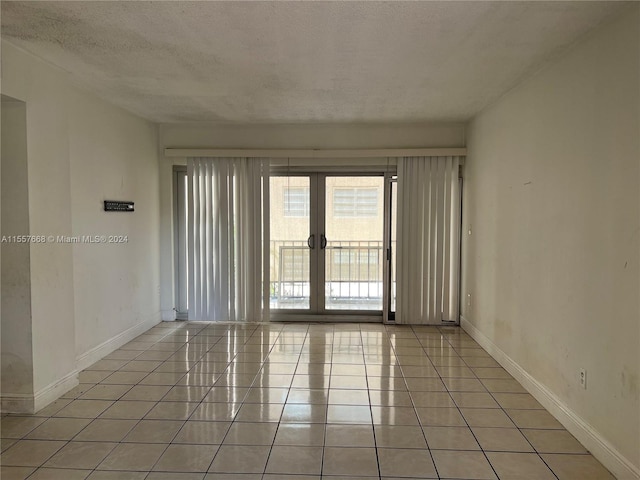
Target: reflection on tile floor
{"x": 196, "y": 401}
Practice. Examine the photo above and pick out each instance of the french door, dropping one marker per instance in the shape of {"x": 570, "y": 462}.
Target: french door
{"x": 330, "y": 246}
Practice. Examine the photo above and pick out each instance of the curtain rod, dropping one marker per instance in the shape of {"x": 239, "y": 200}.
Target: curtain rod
{"x": 314, "y": 153}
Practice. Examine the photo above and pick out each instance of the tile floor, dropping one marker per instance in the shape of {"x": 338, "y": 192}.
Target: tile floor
{"x": 195, "y": 401}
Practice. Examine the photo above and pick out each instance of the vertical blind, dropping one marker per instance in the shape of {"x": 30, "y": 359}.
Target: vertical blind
{"x": 228, "y": 224}
{"x": 428, "y": 236}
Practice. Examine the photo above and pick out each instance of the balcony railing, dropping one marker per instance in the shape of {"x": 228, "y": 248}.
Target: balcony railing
{"x": 353, "y": 274}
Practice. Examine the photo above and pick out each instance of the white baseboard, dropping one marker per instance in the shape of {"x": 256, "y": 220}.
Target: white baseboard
{"x": 90, "y": 357}
{"x": 54, "y": 391}
{"x": 26, "y": 403}
{"x": 593, "y": 441}
{"x": 17, "y": 403}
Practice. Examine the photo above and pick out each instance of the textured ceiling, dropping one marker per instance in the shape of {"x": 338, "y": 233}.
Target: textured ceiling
{"x": 264, "y": 62}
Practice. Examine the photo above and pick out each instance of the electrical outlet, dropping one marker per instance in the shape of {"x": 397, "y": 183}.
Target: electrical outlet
{"x": 468, "y": 300}
{"x": 583, "y": 378}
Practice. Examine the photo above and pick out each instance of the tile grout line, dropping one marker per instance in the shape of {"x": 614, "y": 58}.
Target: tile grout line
{"x": 196, "y": 363}
{"x": 326, "y": 408}
{"x": 491, "y": 394}
{"x": 264, "y": 470}
{"x": 373, "y": 426}
{"x": 68, "y": 442}
{"x": 460, "y": 410}
{"x": 230, "y": 361}
{"x": 414, "y": 406}
{"x": 184, "y": 421}
{"x": 142, "y": 418}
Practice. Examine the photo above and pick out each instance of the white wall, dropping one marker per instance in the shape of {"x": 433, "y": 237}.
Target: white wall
{"x": 17, "y": 355}
{"x": 552, "y": 194}
{"x": 53, "y": 329}
{"x": 113, "y": 157}
{"x": 81, "y": 151}
{"x": 280, "y": 136}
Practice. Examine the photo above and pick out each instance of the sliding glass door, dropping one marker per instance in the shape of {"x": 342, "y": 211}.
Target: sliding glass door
{"x": 353, "y": 250}
{"x": 291, "y": 243}
{"x": 330, "y": 248}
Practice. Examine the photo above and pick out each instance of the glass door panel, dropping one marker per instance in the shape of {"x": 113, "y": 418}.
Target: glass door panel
{"x": 353, "y": 242}
{"x": 291, "y": 242}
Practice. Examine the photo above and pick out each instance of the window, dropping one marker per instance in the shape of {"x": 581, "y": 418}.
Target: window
{"x": 296, "y": 202}
{"x": 355, "y": 202}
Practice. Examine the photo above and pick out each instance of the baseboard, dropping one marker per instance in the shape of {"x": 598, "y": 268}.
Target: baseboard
{"x": 593, "y": 441}
{"x": 26, "y": 403}
{"x": 90, "y": 357}
{"x": 54, "y": 390}
{"x": 17, "y": 403}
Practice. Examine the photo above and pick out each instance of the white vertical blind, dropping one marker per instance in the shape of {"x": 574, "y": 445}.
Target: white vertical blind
{"x": 428, "y": 235}
{"x": 228, "y": 227}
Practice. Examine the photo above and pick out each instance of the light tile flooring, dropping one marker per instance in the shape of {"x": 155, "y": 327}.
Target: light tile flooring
{"x": 194, "y": 401}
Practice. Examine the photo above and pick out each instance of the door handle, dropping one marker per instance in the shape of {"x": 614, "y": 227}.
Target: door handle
{"x": 311, "y": 241}
{"x": 323, "y": 241}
